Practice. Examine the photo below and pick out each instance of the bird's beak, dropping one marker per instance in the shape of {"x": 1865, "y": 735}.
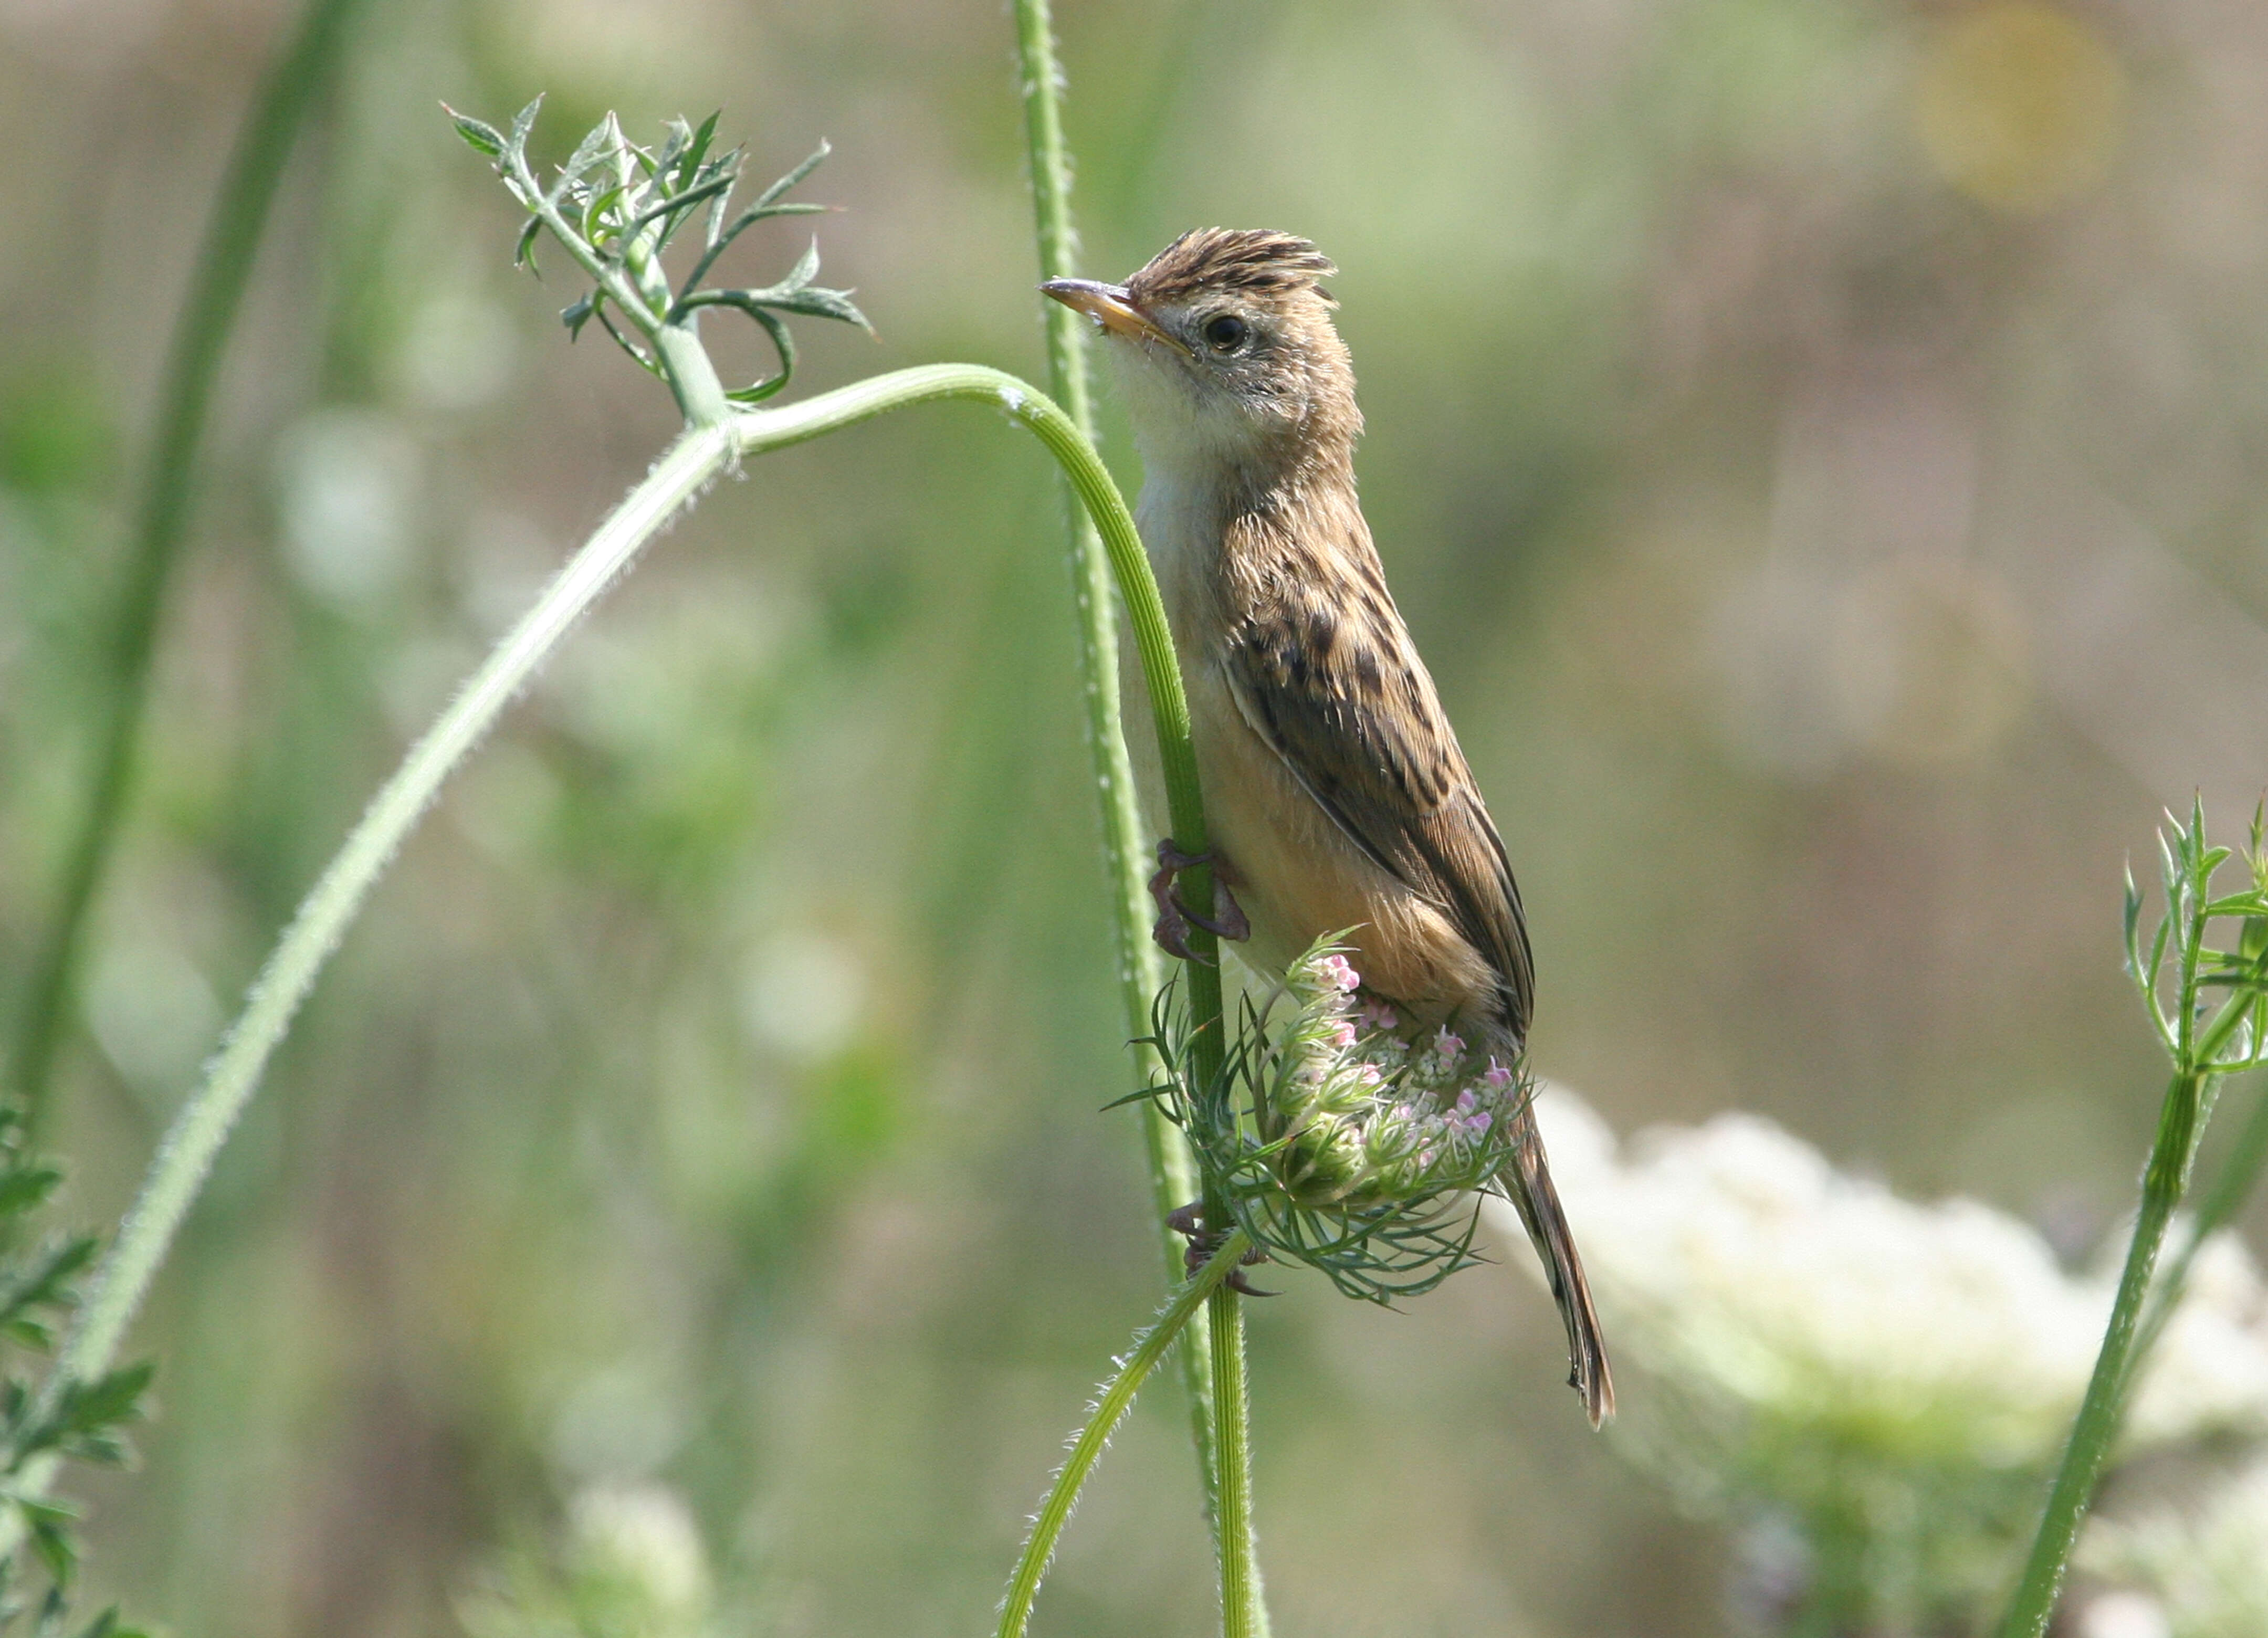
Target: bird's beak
{"x": 1111, "y": 306}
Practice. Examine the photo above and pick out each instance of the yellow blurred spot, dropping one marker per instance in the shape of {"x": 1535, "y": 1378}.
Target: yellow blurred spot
{"x": 2020, "y": 105}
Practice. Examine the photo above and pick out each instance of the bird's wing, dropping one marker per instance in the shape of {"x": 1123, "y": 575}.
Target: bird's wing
{"x": 1324, "y": 671}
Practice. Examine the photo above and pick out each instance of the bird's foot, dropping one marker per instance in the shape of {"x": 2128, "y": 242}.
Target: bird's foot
{"x": 1176, "y": 918}
{"x": 1188, "y": 1221}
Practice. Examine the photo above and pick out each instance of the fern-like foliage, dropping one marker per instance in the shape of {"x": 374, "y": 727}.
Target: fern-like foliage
{"x": 616, "y": 206}
{"x": 61, "y": 1421}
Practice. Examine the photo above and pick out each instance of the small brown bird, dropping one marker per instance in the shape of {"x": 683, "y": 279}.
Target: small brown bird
{"x": 1335, "y": 790}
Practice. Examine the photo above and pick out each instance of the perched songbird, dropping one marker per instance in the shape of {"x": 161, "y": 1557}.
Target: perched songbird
{"x": 1335, "y": 791}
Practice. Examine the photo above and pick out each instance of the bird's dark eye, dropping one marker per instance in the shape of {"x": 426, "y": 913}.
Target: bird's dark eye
{"x": 1225, "y": 332}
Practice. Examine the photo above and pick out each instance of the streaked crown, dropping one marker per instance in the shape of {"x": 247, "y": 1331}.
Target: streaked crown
{"x": 1257, "y": 262}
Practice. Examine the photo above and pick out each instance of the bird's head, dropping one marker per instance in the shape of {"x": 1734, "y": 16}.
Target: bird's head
{"x": 1224, "y": 348}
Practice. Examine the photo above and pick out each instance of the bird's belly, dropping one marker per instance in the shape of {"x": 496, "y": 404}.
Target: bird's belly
{"x": 1299, "y": 876}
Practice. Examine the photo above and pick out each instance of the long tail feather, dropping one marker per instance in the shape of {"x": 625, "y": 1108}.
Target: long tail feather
{"x": 1526, "y": 1181}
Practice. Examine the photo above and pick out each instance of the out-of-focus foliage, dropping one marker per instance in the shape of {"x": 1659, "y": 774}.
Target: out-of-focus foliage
{"x": 1818, "y": 446}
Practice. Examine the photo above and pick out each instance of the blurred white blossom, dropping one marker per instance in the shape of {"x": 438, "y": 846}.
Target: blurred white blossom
{"x": 1891, "y": 1379}
{"x": 2123, "y": 1615}
{"x": 348, "y": 486}
{"x": 641, "y": 1541}
{"x": 2205, "y": 1569}
{"x": 629, "y": 1564}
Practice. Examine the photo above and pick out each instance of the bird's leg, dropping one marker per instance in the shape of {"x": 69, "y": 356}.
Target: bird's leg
{"x": 1176, "y": 918}
{"x": 1189, "y": 1220}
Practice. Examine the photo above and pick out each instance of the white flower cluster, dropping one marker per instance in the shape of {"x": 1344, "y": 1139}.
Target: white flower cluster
{"x": 1731, "y": 1257}
{"x": 630, "y": 1565}
{"x": 1361, "y": 1117}
{"x": 2206, "y": 1569}
{"x": 641, "y": 1541}
{"x": 1884, "y": 1383}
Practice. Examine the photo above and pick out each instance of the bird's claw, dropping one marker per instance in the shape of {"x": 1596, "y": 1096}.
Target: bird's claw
{"x": 1176, "y": 918}
{"x": 1189, "y": 1220}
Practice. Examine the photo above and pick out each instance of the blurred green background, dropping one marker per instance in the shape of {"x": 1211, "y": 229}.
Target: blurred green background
{"x": 1818, "y": 446}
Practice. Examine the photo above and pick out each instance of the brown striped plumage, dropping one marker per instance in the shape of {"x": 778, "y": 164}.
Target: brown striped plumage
{"x": 1334, "y": 785}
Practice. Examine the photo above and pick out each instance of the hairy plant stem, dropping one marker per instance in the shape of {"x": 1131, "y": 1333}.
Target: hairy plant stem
{"x": 2164, "y": 1181}
{"x": 1218, "y": 1401}
{"x": 185, "y": 1158}
{"x": 1173, "y": 1175}
{"x": 193, "y": 362}
{"x": 1243, "y": 1607}
{"x": 1181, "y": 1312}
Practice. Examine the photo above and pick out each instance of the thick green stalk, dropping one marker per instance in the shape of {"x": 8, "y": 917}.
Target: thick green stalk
{"x": 2164, "y": 1181}
{"x": 1172, "y": 1177}
{"x": 1110, "y": 1408}
{"x": 692, "y": 378}
{"x": 185, "y": 1158}
{"x": 184, "y": 396}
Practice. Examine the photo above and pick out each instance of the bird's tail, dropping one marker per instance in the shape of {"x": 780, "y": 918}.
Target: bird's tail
{"x": 1527, "y": 1180}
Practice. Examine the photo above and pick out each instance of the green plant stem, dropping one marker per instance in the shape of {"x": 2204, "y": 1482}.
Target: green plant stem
{"x": 2164, "y": 1181}
{"x": 193, "y": 362}
{"x": 1243, "y": 1609}
{"x": 2222, "y": 1199}
{"x": 1173, "y": 1175}
{"x": 692, "y": 378}
{"x": 203, "y": 1124}
{"x": 1187, "y": 1303}
{"x": 185, "y": 1158}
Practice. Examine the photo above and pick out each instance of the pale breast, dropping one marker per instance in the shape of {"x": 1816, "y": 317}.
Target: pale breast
{"x": 1299, "y": 876}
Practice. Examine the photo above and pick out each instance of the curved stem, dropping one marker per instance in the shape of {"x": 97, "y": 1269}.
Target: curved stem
{"x": 185, "y": 1158}
{"x": 203, "y": 1124}
{"x": 1173, "y": 1175}
{"x": 1110, "y": 1408}
{"x": 199, "y": 338}
{"x": 760, "y": 431}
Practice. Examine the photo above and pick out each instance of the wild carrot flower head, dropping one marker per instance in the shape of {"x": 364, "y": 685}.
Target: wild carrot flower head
{"x": 1341, "y": 1142}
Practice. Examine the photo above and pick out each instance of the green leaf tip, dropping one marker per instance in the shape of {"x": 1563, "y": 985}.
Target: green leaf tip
{"x": 483, "y": 137}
